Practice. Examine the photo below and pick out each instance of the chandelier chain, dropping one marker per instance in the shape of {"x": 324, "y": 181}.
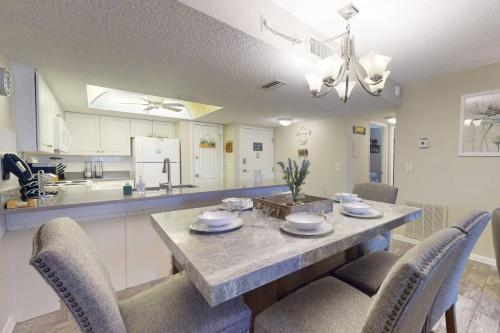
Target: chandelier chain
{"x": 282, "y": 35}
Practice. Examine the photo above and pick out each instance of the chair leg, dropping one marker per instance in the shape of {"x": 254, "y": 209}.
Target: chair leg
{"x": 451, "y": 320}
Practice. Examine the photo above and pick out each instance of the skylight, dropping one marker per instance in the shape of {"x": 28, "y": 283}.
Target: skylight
{"x": 129, "y": 102}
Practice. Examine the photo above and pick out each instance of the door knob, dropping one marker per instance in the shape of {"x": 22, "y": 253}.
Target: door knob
{"x": 197, "y": 175}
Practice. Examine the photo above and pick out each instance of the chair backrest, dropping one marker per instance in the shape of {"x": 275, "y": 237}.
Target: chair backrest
{"x": 495, "y": 226}
{"x": 376, "y": 192}
{"x": 407, "y": 293}
{"x": 472, "y": 226}
{"x": 68, "y": 261}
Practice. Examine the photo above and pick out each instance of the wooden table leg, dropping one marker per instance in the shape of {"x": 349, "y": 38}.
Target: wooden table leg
{"x": 451, "y": 320}
{"x": 352, "y": 253}
{"x": 176, "y": 267}
{"x": 260, "y": 299}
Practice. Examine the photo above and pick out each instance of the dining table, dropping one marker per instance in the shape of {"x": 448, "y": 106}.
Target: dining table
{"x": 259, "y": 261}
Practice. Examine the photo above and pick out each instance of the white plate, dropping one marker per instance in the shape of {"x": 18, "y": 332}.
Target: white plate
{"x": 247, "y": 203}
{"x": 324, "y": 229}
{"x": 201, "y": 226}
{"x": 305, "y": 221}
{"x": 217, "y": 218}
{"x": 359, "y": 208}
{"x": 372, "y": 213}
{"x": 354, "y": 197}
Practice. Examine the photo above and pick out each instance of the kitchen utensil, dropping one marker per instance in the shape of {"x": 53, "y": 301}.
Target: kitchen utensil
{"x": 98, "y": 169}
{"x": 87, "y": 172}
{"x": 358, "y": 208}
{"x": 370, "y": 214}
{"x": 217, "y": 218}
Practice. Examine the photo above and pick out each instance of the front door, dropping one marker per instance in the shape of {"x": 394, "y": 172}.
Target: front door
{"x": 207, "y": 141}
{"x": 256, "y": 154}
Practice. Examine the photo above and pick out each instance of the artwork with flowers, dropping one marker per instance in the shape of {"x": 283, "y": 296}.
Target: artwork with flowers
{"x": 480, "y": 124}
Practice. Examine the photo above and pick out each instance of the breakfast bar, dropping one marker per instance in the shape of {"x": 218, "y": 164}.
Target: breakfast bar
{"x": 223, "y": 266}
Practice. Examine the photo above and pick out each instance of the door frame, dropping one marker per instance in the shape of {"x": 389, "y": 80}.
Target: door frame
{"x": 386, "y": 178}
{"x": 239, "y": 144}
{"x": 221, "y": 142}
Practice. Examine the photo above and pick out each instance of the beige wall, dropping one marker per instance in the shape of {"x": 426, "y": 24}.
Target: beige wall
{"x": 330, "y": 145}
{"x": 7, "y": 144}
{"x": 431, "y": 109}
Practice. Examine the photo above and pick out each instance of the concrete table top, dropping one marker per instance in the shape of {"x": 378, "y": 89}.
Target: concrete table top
{"x": 224, "y": 266}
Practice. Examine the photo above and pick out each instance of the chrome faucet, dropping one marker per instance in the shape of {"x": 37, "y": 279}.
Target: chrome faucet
{"x": 166, "y": 169}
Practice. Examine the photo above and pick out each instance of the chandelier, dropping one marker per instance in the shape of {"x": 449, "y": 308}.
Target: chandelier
{"x": 343, "y": 72}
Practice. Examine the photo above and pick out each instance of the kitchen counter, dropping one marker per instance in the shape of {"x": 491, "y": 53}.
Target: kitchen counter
{"x": 83, "y": 202}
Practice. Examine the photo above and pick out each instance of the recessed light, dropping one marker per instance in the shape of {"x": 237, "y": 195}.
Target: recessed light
{"x": 285, "y": 121}
{"x": 391, "y": 120}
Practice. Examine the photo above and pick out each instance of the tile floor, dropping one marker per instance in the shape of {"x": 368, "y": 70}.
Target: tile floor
{"x": 478, "y": 307}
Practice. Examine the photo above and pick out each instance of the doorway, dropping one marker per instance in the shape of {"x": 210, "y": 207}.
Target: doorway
{"x": 256, "y": 160}
{"x": 207, "y": 151}
{"x": 379, "y": 162}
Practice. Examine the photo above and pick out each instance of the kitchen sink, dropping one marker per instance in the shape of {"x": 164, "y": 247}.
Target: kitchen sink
{"x": 163, "y": 188}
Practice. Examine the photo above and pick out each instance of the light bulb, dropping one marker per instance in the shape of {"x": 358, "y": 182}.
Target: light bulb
{"x": 467, "y": 122}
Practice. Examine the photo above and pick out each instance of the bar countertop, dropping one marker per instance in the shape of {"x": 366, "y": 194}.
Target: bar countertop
{"x": 86, "y": 195}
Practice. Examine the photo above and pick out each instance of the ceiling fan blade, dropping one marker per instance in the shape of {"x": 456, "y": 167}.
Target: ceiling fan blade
{"x": 177, "y": 105}
{"x": 171, "y": 108}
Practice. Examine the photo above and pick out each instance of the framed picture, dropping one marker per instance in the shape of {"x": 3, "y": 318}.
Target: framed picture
{"x": 359, "y": 130}
{"x": 480, "y": 124}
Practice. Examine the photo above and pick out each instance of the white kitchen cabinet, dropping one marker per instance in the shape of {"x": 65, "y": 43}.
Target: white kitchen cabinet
{"x": 35, "y": 109}
{"x": 140, "y": 127}
{"x": 115, "y": 136}
{"x": 148, "y": 258}
{"x": 164, "y": 129}
{"x": 84, "y": 131}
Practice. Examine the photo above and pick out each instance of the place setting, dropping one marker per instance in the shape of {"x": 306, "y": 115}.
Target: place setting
{"x": 306, "y": 224}
{"x": 353, "y": 206}
{"x": 216, "y": 221}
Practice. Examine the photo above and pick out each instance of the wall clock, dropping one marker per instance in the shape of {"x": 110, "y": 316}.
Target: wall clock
{"x": 5, "y": 82}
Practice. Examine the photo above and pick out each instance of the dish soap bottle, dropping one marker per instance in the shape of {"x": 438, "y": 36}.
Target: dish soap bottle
{"x": 141, "y": 186}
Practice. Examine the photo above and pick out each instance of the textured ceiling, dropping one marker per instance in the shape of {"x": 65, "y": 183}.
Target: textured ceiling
{"x": 161, "y": 48}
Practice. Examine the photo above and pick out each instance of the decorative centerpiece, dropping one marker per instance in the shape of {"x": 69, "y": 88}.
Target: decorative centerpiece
{"x": 283, "y": 205}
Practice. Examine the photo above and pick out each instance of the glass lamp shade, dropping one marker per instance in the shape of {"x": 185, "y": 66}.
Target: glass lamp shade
{"x": 315, "y": 82}
{"x": 467, "y": 122}
{"x": 477, "y": 122}
{"x": 340, "y": 88}
{"x": 374, "y": 64}
{"x": 379, "y": 87}
{"x": 330, "y": 67}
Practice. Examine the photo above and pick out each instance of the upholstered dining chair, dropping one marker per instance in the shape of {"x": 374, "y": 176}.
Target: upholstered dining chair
{"x": 382, "y": 193}
{"x": 495, "y": 225}
{"x": 368, "y": 273}
{"x": 401, "y": 305}
{"x": 68, "y": 261}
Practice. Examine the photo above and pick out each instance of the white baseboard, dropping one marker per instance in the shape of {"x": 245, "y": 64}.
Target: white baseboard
{"x": 9, "y": 325}
{"x": 475, "y": 257}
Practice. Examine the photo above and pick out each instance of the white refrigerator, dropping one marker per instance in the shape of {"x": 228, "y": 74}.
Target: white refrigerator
{"x": 148, "y": 155}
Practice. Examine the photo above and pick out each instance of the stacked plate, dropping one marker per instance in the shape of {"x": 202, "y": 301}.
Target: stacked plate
{"x": 359, "y": 209}
{"x": 337, "y": 197}
{"x": 307, "y": 224}
{"x": 237, "y": 203}
{"x": 216, "y": 221}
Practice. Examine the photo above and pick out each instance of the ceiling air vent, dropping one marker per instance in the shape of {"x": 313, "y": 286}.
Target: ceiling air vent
{"x": 319, "y": 49}
{"x": 273, "y": 85}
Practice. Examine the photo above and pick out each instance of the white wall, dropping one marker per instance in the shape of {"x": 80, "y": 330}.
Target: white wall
{"x": 7, "y": 144}
{"x": 431, "y": 109}
{"x": 338, "y": 158}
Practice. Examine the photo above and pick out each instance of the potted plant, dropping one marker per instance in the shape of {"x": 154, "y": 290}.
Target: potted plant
{"x": 294, "y": 176}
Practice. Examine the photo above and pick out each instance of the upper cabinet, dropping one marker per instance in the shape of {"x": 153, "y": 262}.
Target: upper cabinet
{"x": 142, "y": 127}
{"x": 35, "y": 109}
{"x": 115, "y": 136}
{"x": 98, "y": 135}
{"x": 84, "y": 130}
{"x": 164, "y": 129}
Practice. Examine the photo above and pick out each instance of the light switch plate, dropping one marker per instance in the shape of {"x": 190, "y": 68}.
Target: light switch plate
{"x": 423, "y": 143}
{"x": 409, "y": 166}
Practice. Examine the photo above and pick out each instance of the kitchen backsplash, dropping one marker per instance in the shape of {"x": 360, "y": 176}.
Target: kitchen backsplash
{"x": 77, "y": 163}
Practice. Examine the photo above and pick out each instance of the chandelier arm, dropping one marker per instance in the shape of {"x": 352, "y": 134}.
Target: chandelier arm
{"x": 362, "y": 82}
{"x": 324, "y": 93}
{"x": 337, "y": 80}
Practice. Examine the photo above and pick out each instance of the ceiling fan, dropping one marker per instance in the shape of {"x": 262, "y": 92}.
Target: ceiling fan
{"x": 152, "y": 105}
